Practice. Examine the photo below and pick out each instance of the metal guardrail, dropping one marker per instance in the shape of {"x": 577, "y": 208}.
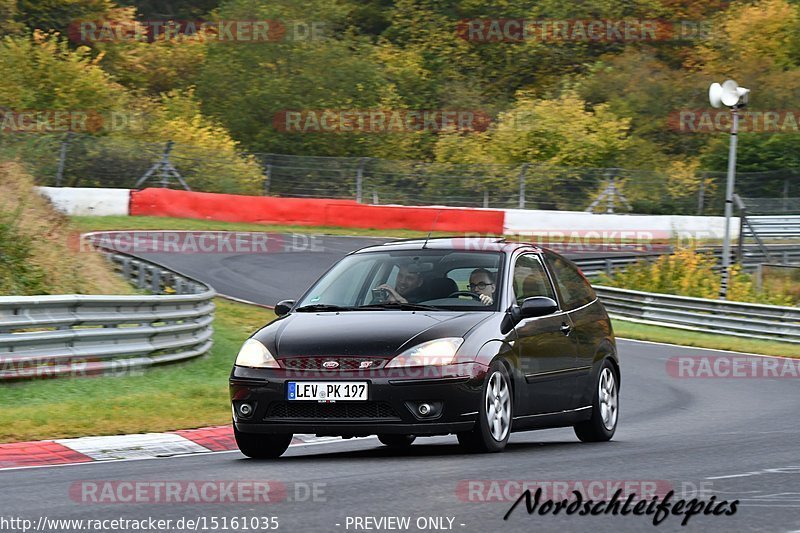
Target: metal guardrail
{"x": 754, "y": 321}
{"x": 751, "y": 258}
{"x": 77, "y": 335}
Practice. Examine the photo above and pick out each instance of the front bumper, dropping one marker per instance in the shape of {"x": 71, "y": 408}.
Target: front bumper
{"x": 394, "y": 395}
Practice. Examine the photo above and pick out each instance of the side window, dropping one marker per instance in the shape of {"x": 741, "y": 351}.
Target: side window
{"x": 575, "y": 290}
{"x": 530, "y": 279}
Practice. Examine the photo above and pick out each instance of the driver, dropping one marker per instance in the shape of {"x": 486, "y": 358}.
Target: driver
{"x": 481, "y": 283}
{"x": 407, "y": 286}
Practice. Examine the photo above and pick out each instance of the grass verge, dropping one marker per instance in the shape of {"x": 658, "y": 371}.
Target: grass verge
{"x": 183, "y": 395}
{"x": 112, "y": 223}
{"x": 647, "y": 332}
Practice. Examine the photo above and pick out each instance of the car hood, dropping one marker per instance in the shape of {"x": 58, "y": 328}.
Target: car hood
{"x": 362, "y": 333}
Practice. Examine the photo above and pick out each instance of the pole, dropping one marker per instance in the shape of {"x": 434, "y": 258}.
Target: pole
{"x": 701, "y": 194}
{"x": 360, "y": 178}
{"x": 726, "y": 244}
{"x": 786, "y": 194}
{"x": 522, "y": 173}
{"x": 164, "y": 166}
{"x": 62, "y": 159}
{"x": 267, "y": 178}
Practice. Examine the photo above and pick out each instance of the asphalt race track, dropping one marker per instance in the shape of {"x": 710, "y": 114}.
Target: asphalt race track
{"x": 718, "y": 438}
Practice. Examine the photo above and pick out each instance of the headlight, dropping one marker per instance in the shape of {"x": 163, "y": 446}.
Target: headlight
{"x": 437, "y": 352}
{"x": 255, "y": 355}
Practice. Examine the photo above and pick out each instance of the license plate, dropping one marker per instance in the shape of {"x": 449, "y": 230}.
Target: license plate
{"x": 327, "y": 391}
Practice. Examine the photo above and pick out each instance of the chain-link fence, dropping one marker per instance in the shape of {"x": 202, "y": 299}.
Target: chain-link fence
{"x": 88, "y": 161}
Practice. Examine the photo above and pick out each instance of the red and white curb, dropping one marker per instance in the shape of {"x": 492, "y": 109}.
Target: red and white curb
{"x": 126, "y": 447}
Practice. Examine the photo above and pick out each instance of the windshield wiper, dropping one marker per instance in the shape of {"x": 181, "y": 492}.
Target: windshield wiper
{"x": 399, "y": 305}
{"x": 322, "y": 307}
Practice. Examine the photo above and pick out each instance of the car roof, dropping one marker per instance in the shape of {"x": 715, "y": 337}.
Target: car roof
{"x": 467, "y": 244}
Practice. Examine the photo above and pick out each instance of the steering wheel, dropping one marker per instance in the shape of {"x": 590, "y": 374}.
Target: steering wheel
{"x": 464, "y": 293}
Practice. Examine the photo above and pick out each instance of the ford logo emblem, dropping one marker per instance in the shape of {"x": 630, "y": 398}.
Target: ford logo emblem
{"x": 330, "y": 364}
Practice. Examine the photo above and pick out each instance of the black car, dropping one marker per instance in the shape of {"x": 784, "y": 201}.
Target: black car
{"x": 473, "y": 336}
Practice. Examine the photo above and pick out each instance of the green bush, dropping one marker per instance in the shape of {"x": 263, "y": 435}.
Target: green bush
{"x": 17, "y": 276}
{"x": 689, "y": 272}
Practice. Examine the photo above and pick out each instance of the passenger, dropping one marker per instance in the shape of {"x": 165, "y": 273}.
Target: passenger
{"x": 407, "y": 287}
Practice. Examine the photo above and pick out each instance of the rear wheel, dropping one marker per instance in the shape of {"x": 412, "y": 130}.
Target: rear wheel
{"x": 493, "y": 426}
{"x": 262, "y": 446}
{"x": 605, "y": 408}
{"x": 396, "y": 441}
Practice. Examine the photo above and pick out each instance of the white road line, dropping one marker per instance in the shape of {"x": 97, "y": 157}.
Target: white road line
{"x": 707, "y": 349}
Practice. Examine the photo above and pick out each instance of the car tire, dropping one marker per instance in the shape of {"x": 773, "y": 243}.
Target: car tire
{"x": 605, "y": 408}
{"x": 493, "y": 427}
{"x": 396, "y": 441}
{"x": 262, "y": 446}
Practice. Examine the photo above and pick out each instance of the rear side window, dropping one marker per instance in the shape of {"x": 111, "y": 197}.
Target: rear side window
{"x": 574, "y": 289}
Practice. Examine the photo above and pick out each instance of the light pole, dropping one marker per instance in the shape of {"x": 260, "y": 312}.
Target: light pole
{"x": 730, "y": 95}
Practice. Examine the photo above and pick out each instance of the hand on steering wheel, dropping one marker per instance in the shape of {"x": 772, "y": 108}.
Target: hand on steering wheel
{"x": 464, "y": 293}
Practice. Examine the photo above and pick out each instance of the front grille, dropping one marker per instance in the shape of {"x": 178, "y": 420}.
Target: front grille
{"x": 328, "y": 411}
{"x": 345, "y": 363}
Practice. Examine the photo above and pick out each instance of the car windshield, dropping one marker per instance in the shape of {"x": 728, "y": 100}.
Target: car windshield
{"x": 410, "y": 280}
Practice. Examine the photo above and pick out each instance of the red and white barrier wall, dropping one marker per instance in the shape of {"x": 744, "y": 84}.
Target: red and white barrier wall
{"x": 350, "y": 214}
{"x": 310, "y": 212}
{"x": 77, "y": 201}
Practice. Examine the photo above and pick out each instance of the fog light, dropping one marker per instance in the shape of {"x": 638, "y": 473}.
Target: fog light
{"x": 424, "y": 409}
{"x": 245, "y": 409}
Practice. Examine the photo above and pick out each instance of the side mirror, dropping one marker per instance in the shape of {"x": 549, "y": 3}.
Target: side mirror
{"x": 537, "y": 306}
{"x": 511, "y": 319}
{"x": 283, "y": 307}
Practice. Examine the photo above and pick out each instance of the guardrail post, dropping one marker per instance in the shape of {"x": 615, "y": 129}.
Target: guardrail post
{"x": 522, "y": 173}
{"x": 126, "y": 268}
{"x": 155, "y": 281}
{"x": 609, "y": 266}
{"x": 141, "y": 279}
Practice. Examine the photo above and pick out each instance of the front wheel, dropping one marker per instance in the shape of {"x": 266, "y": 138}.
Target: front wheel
{"x": 396, "y": 441}
{"x": 605, "y": 408}
{"x": 262, "y": 446}
{"x": 493, "y": 426}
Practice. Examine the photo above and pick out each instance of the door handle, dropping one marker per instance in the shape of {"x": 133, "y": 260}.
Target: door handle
{"x": 565, "y": 328}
